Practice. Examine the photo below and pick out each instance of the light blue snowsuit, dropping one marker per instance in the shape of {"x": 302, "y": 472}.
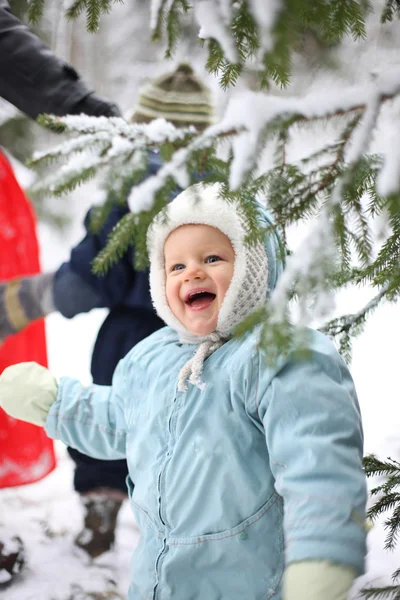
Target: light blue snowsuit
{"x": 260, "y": 469}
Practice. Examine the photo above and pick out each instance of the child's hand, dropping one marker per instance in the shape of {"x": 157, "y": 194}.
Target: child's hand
{"x": 317, "y": 580}
{"x": 27, "y": 391}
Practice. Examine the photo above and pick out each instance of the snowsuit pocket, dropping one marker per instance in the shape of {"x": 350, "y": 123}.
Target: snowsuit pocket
{"x": 244, "y": 561}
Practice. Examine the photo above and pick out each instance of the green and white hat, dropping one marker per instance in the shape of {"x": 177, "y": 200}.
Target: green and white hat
{"x": 180, "y": 97}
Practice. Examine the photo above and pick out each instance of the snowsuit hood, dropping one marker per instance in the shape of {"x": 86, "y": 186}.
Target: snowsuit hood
{"x": 256, "y": 266}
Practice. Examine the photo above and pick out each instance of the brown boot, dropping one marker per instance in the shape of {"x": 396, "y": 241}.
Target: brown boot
{"x": 12, "y": 559}
{"x": 101, "y": 511}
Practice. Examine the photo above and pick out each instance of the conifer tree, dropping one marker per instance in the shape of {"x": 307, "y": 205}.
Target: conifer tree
{"x": 342, "y": 190}
{"x": 328, "y": 187}
{"x": 387, "y": 498}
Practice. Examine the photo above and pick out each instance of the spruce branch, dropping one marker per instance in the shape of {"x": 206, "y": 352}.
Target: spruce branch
{"x": 94, "y": 9}
{"x": 76, "y": 8}
{"x": 35, "y": 10}
{"x": 254, "y": 135}
{"x": 373, "y": 466}
{"x": 396, "y": 575}
{"x": 327, "y": 185}
{"x": 389, "y": 592}
{"x": 119, "y": 240}
{"x": 392, "y": 523}
{"x": 246, "y": 31}
{"x": 390, "y": 11}
{"x": 347, "y": 327}
{"x": 388, "y": 500}
{"x": 165, "y": 20}
{"x": 387, "y": 487}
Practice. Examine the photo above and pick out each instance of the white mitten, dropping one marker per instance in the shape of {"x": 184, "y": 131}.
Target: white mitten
{"x": 317, "y": 580}
{"x": 27, "y": 391}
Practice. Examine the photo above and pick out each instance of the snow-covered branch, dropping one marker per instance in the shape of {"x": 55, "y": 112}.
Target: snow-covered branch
{"x": 250, "y": 114}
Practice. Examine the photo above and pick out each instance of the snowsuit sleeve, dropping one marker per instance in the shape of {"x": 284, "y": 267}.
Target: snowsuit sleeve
{"x": 314, "y": 436}
{"x": 34, "y": 79}
{"x": 91, "y": 419}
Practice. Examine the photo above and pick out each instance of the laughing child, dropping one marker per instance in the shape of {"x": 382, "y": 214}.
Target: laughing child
{"x": 248, "y": 478}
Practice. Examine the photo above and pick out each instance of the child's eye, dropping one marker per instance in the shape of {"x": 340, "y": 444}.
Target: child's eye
{"x": 178, "y": 267}
{"x": 213, "y": 258}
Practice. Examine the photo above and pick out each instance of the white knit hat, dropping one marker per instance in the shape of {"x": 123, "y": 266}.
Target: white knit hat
{"x": 203, "y": 205}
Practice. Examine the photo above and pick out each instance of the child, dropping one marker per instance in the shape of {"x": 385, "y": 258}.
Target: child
{"x": 248, "y": 479}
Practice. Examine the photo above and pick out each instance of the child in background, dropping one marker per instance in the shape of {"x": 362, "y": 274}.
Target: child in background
{"x": 183, "y": 98}
{"x": 248, "y": 479}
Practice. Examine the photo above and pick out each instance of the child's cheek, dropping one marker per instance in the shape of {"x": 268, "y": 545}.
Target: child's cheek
{"x": 170, "y": 293}
{"x": 167, "y": 291}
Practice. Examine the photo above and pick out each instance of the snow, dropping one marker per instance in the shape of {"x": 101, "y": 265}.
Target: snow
{"x": 7, "y": 111}
{"x": 141, "y": 197}
{"x": 47, "y": 515}
{"x": 309, "y": 259}
{"x": 156, "y": 6}
{"x": 388, "y": 181}
{"x": 110, "y": 142}
{"x": 248, "y": 114}
{"x": 212, "y": 22}
{"x": 361, "y": 138}
{"x": 265, "y": 13}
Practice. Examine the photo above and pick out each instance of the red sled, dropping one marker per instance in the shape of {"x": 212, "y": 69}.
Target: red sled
{"x": 26, "y": 453}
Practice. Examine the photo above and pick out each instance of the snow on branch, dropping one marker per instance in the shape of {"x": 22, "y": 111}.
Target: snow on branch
{"x": 328, "y": 185}
{"x": 249, "y": 114}
{"x": 213, "y": 18}
{"x": 101, "y": 144}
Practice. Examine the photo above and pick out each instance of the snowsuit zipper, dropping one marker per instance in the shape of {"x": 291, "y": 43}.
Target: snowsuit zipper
{"x": 163, "y": 518}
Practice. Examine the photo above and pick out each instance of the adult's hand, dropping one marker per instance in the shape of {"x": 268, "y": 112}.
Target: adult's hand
{"x": 35, "y": 80}
{"x": 95, "y": 106}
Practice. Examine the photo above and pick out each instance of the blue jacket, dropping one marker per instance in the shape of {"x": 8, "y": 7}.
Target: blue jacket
{"x": 260, "y": 469}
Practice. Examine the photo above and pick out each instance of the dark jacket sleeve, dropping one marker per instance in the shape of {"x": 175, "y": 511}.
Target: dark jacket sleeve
{"x": 34, "y": 80}
{"x": 77, "y": 289}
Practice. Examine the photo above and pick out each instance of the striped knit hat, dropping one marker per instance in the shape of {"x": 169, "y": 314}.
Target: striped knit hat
{"x": 179, "y": 97}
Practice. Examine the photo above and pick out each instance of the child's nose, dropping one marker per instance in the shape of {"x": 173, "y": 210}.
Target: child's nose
{"x": 195, "y": 272}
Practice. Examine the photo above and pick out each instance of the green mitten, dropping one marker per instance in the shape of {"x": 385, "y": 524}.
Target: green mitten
{"x": 27, "y": 391}
{"x": 317, "y": 580}
{"x": 24, "y": 300}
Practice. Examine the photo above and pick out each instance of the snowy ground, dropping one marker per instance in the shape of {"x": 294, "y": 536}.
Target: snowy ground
{"x": 47, "y": 515}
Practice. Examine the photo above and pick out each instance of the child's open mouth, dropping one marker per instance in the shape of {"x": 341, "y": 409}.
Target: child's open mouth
{"x": 200, "y": 299}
